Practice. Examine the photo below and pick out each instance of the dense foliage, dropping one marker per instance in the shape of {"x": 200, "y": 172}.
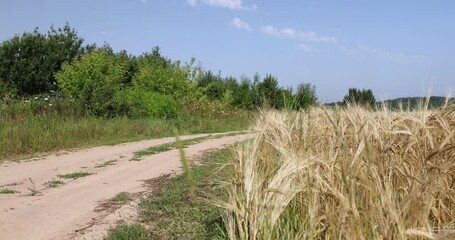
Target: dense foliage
{"x": 109, "y": 84}
{"x": 29, "y": 61}
{"x": 359, "y": 97}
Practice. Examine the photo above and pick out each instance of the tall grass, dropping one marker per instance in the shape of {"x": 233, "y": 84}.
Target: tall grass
{"x": 345, "y": 174}
{"x": 42, "y": 125}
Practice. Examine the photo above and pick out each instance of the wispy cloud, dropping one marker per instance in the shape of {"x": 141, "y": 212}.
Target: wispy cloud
{"x": 238, "y": 23}
{"x": 363, "y": 51}
{"x": 297, "y": 35}
{"x": 304, "y": 47}
{"x": 230, "y": 4}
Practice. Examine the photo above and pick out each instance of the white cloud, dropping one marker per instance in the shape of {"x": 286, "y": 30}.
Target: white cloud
{"x": 297, "y": 35}
{"x": 230, "y": 4}
{"x": 363, "y": 51}
{"x": 191, "y": 2}
{"x": 238, "y": 23}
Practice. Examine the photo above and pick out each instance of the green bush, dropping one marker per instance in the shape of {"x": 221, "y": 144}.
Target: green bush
{"x": 94, "y": 80}
{"x": 139, "y": 103}
{"x": 159, "y": 74}
{"x": 158, "y": 105}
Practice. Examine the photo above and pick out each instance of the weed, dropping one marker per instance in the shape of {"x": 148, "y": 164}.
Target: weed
{"x": 173, "y": 145}
{"x": 53, "y": 183}
{"x": 32, "y": 189}
{"x": 186, "y": 167}
{"x": 129, "y": 232}
{"x": 121, "y": 197}
{"x": 165, "y": 147}
{"x": 106, "y": 163}
{"x": 7, "y": 191}
{"x": 74, "y": 175}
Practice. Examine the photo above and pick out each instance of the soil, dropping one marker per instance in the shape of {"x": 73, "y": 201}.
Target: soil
{"x": 80, "y": 208}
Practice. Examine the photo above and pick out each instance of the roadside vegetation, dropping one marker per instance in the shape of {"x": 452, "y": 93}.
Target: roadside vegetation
{"x": 58, "y": 93}
{"x": 171, "y": 212}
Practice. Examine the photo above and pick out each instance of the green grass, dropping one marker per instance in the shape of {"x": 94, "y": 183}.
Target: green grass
{"x": 53, "y": 183}
{"x": 74, "y": 175}
{"x": 7, "y": 191}
{"x": 172, "y": 214}
{"x": 129, "y": 232}
{"x": 166, "y": 147}
{"x": 121, "y": 197}
{"x": 106, "y": 163}
{"x": 173, "y": 145}
{"x": 26, "y": 135}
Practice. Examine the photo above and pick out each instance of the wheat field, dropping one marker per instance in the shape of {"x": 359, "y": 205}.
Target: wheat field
{"x": 345, "y": 173}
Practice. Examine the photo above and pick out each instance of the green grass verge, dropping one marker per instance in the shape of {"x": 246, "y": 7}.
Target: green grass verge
{"x": 166, "y": 147}
{"x": 74, "y": 175}
{"x": 172, "y": 214}
{"x": 173, "y": 145}
{"x": 29, "y": 135}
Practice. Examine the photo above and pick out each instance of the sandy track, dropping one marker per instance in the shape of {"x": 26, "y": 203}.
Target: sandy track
{"x": 56, "y": 213}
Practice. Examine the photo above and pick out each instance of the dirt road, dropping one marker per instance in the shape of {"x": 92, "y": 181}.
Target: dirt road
{"x": 38, "y": 211}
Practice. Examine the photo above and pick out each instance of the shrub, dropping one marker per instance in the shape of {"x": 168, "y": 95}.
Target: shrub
{"x": 305, "y": 96}
{"x": 94, "y": 80}
{"x": 364, "y": 98}
{"x": 138, "y": 103}
{"x": 159, "y": 74}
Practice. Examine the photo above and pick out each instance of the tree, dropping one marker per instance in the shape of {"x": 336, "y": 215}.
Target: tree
{"x": 159, "y": 74}
{"x": 28, "y": 62}
{"x": 359, "y": 97}
{"x": 244, "y": 95}
{"x": 94, "y": 80}
{"x": 269, "y": 91}
{"x": 305, "y": 96}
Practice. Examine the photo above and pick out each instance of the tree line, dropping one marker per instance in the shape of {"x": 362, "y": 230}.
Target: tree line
{"x": 109, "y": 83}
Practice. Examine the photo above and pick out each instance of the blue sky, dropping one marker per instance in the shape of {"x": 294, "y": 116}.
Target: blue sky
{"x": 396, "y": 48}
